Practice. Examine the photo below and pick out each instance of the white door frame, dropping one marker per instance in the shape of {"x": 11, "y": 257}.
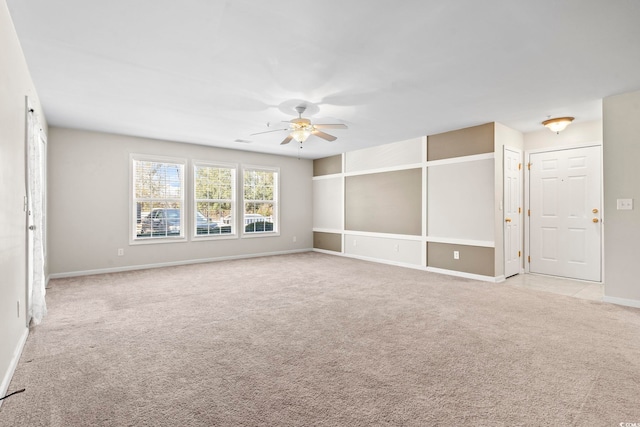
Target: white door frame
{"x": 527, "y": 199}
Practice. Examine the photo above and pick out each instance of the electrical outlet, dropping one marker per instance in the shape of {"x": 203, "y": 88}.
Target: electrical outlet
{"x": 624, "y": 204}
{"x": 456, "y": 254}
{"x": 120, "y": 252}
{"x": 355, "y": 242}
{"x": 396, "y": 248}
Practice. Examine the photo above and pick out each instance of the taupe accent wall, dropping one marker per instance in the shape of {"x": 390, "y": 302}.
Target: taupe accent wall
{"x": 473, "y": 259}
{"x": 327, "y": 241}
{"x": 462, "y": 142}
{"x": 327, "y": 165}
{"x": 386, "y": 202}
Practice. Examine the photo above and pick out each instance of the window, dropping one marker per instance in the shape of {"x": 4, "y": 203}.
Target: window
{"x": 214, "y": 197}
{"x": 260, "y": 200}
{"x": 158, "y": 198}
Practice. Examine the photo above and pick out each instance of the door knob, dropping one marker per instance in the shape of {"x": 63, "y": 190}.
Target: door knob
{"x": 507, "y": 220}
{"x": 595, "y": 220}
{"x": 595, "y": 211}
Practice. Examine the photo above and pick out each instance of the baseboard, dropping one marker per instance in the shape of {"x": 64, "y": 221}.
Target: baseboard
{"x": 381, "y": 261}
{"x": 622, "y": 301}
{"x": 492, "y": 279}
{"x": 6, "y": 380}
{"x": 324, "y": 251}
{"x": 170, "y": 264}
{"x": 462, "y": 274}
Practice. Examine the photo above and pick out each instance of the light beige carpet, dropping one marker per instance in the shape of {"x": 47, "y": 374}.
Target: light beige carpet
{"x": 314, "y": 339}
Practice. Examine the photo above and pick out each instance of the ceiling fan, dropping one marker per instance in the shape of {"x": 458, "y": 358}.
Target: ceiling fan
{"x": 301, "y": 128}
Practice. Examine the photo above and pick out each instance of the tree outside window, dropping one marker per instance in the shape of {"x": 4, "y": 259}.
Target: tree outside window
{"x": 260, "y": 200}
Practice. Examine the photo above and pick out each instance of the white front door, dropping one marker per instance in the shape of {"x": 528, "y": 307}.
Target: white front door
{"x": 512, "y": 212}
{"x": 565, "y": 203}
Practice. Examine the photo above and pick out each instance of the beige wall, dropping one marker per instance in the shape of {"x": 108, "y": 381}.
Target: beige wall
{"x": 15, "y": 85}
{"x": 327, "y": 165}
{"x": 621, "y": 151}
{"x": 387, "y": 202}
{"x": 455, "y": 200}
{"x": 472, "y": 259}
{"x": 461, "y": 142}
{"x": 89, "y": 203}
{"x": 327, "y": 241}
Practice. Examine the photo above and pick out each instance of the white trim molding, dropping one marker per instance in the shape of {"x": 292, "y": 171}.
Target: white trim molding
{"x": 466, "y": 242}
{"x": 482, "y": 278}
{"x": 622, "y": 301}
{"x": 170, "y": 264}
{"x": 6, "y": 380}
{"x": 461, "y": 159}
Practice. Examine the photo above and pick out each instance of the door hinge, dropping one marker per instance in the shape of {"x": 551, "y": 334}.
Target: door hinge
{"x": 519, "y": 254}
{"x": 519, "y": 210}
{"x": 529, "y": 166}
{"x": 529, "y": 259}
{"x": 528, "y": 212}
{"x": 519, "y": 166}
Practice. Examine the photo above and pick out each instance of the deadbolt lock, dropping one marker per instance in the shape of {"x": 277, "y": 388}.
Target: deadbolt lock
{"x": 595, "y": 219}
{"x": 595, "y": 211}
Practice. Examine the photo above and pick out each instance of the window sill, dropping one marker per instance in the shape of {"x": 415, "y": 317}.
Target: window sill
{"x": 260, "y": 234}
{"x": 157, "y": 240}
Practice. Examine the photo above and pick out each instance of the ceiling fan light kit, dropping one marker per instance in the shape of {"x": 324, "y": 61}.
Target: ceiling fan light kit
{"x": 301, "y": 128}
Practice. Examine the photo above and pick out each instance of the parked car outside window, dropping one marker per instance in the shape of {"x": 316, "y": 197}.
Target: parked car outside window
{"x": 161, "y": 221}
{"x": 258, "y": 226}
{"x": 166, "y": 221}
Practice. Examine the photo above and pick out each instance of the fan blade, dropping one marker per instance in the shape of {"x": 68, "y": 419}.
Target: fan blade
{"x": 330, "y": 126}
{"x": 287, "y": 140}
{"x": 267, "y": 131}
{"x": 323, "y": 135}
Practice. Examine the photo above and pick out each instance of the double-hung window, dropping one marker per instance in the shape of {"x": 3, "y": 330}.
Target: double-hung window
{"x": 157, "y": 198}
{"x": 214, "y": 199}
{"x": 260, "y": 200}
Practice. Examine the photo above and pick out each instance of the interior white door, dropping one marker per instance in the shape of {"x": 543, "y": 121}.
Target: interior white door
{"x": 565, "y": 203}
{"x": 512, "y": 212}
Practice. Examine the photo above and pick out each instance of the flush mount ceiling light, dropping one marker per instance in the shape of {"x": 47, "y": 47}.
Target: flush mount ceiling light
{"x": 558, "y": 124}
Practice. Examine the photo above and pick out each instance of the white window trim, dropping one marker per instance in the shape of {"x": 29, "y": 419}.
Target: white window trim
{"x": 194, "y": 202}
{"x": 276, "y": 203}
{"x": 133, "y": 240}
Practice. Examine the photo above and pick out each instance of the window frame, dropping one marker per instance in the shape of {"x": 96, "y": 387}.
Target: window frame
{"x": 241, "y": 224}
{"x": 194, "y": 200}
{"x": 133, "y": 206}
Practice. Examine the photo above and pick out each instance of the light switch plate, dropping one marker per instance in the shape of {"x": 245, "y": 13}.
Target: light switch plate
{"x": 625, "y": 204}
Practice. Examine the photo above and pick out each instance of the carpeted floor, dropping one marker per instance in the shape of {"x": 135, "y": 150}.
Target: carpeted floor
{"x": 314, "y": 339}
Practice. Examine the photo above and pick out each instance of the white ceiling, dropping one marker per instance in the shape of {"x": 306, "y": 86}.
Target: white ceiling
{"x": 213, "y": 71}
